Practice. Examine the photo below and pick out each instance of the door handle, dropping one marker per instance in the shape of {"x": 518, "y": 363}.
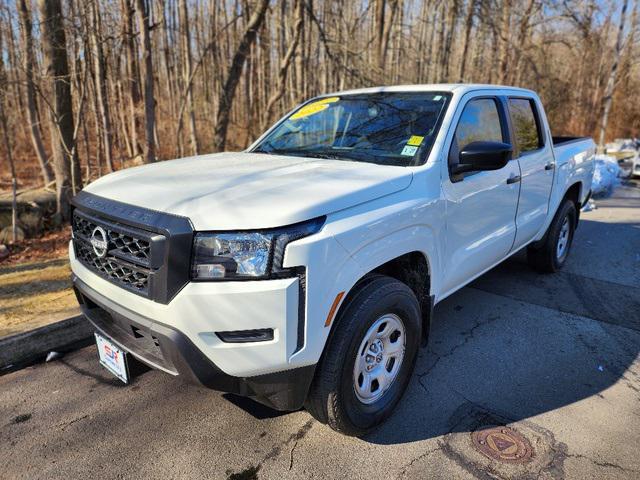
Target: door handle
{"x": 514, "y": 179}
{"x": 550, "y": 166}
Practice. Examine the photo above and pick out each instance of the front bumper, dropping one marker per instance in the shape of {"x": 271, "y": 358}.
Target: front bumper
{"x": 165, "y": 348}
{"x": 202, "y": 309}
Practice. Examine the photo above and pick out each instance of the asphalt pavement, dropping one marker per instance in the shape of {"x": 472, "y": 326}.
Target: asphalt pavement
{"x": 550, "y": 360}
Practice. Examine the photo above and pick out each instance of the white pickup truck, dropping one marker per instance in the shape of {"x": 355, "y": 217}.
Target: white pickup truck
{"x": 304, "y": 270}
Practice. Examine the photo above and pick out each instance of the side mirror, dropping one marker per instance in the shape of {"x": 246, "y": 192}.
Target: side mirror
{"x": 482, "y": 156}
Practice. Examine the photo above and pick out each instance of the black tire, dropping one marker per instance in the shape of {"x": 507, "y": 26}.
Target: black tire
{"x": 332, "y": 398}
{"x": 545, "y": 258}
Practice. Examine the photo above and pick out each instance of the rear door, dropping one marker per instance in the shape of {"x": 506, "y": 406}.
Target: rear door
{"x": 533, "y": 152}
{"x": 480, "y": 206}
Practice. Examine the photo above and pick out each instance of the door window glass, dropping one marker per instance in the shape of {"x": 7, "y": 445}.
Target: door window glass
{"x": 525, "y": 126}
{"x": 479, "y": 122}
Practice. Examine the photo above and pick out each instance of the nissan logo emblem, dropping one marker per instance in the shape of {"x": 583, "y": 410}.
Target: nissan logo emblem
{"x": 99, "y": 242}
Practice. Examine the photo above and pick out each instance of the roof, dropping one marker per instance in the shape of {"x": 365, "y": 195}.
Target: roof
{"x": 434, "y": 87}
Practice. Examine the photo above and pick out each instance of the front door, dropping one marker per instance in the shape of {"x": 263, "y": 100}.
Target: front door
{"x": 480, "y": 206}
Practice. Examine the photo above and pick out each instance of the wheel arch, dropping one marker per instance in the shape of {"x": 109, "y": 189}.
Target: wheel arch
{"x": 414, "y": 270}
{"x": 573, "y": 193}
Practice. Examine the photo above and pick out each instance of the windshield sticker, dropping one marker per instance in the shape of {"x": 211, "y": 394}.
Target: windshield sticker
{"x": 313, "y": 107}
{"x": 415, "y": 140}
{"x": 409, "y": 151}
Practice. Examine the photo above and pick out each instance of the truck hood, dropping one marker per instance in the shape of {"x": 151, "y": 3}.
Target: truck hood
{"x": 239, "y": 191}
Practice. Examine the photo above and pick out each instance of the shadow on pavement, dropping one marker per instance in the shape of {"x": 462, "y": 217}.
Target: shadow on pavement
{"x": 515, "y": 344}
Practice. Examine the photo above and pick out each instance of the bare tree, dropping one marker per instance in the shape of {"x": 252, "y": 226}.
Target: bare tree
{"x": 133, "y": 80}
{"x": 608, "y": 93}
{"x": 286, "y": 61}
{"x": 97, "y": 55}
{"x": 504, "y": 32}
{"x": 227, "y": 94}
{"x": 54, "y": 49}
{"x": 467, "y": 34}
{"x": 383, "y": 29}
{"x": 164, "y": 79}
{"x": 32, "y": 106}
{"x": 147, "y": 73}
{"x": 8, "y": 147}
{"x": 186, "y": 46}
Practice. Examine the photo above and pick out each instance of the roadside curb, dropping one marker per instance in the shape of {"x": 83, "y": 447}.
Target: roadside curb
{"x": 27, "y": 347}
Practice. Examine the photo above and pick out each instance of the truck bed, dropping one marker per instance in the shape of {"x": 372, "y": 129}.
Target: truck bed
{"x": 574, "y": 163}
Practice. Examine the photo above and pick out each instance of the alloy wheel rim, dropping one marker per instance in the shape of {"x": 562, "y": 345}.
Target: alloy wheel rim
{"x": 379, "y": 358}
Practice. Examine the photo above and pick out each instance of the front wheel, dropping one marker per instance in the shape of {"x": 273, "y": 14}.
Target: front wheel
{"x": 552, "y": 255}
{"x": 368, "y": 362}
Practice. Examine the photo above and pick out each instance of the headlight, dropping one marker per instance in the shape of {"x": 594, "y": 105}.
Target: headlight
{"x": 246, "y": 255}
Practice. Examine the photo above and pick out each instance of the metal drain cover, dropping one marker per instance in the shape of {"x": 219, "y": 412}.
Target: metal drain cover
{"x": 503, "y": 444}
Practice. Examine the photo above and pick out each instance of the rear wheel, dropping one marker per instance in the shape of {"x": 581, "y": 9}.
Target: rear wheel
{"x": 552, "y": 254}
{"x": 369, "y": 359}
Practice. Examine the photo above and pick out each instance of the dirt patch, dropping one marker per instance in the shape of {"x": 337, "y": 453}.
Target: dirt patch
{"x": 52, "y": 245}
{"x": 35, "y": 294}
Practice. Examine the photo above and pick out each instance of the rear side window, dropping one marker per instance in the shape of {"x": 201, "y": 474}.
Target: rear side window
{"x": 479, "y": 122}
{"x": 525, "y": 124}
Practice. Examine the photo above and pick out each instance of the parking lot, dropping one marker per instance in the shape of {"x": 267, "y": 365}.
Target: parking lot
{"x": 553, "y": 358}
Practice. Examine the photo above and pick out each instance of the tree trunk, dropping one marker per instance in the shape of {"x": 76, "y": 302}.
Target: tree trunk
{"x": 133, "y": 78}
{"x": 380, "y": 7}
{"x": 233, "y": 76}
{"x": 97, "y": 56}
{"x": 447, "y": 53}
{"x": 147, "y": 74}
{"x": 504, "y": 36}
{"x": 66, "y": 168}
{"x": 611, "y": 83}
{"x": 521, "y": 44}
{"x": 284, "y": 64}
{"x": 186, "y": 45}
{"x": 467, "y": 34}
{"x": 383, "y": 28}
{"x": 7, "y": 145}
{"x": 32, "y": 106}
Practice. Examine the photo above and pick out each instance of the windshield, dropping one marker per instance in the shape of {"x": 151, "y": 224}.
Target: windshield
{"x": 385, "y": 128}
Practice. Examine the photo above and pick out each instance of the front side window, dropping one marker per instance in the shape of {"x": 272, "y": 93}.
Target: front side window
{"x": 525, "y": 126}
{"x": 385, "y": 128}
{"x": 479, "y": 122}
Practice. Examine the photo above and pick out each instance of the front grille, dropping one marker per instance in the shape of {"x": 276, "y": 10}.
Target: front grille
{"x": 127, "y": 274}
{"x": 127, "y": 261}
{"x": 125, "y": 246}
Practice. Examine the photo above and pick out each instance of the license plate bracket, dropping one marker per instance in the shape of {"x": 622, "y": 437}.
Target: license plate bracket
{"x": 113, "y": 358}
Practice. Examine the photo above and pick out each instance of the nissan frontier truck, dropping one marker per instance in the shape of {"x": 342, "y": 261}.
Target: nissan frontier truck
{"x": 304, "y": 270}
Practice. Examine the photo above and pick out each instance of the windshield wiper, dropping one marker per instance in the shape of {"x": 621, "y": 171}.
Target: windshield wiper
{"x": 304, "y": 153}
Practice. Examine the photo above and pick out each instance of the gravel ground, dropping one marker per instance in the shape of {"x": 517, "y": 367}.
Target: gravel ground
{"x": 555, "y": 358}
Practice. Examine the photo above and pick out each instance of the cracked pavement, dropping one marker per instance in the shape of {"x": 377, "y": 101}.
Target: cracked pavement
{"x": 553, "y": 356}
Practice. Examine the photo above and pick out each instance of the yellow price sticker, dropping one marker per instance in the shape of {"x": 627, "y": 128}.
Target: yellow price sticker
{"x": 415, "y": 140}
{"x": 313, "y": 107}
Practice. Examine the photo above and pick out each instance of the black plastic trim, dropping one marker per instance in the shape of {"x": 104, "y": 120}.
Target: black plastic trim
{"x": 174, "y": 269}
{"x": 246, "y": 336}
{"x": 284, "y": 391}
{"x": 560, "y": 140}
{"x": 302, "y": 308}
